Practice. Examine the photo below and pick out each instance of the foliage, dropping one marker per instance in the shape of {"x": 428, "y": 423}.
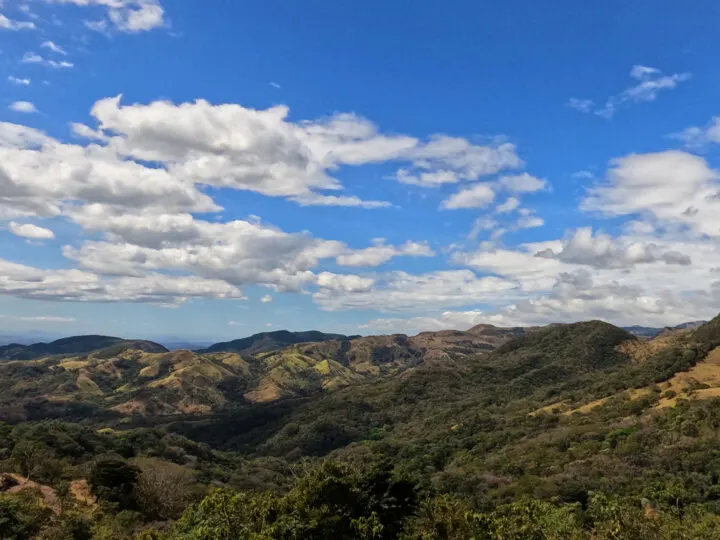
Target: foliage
{"x": 114, "y": 481}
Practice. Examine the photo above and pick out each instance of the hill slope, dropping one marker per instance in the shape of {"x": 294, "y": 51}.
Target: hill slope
{"x": 70, "y": 345}
{"x": 269, "y": 341}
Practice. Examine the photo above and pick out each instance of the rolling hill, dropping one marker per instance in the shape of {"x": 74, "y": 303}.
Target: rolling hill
{"x": 270, "y": 341}
{"x": 138, "y": 378}
{"x": 572, "y": 426}
{"x": 71, "y": 345}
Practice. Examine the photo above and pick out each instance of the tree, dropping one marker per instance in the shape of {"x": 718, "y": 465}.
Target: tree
{"x": 114, "y": 481}
{"x": 164, "y": 489}
{"x": 28, "y": 457}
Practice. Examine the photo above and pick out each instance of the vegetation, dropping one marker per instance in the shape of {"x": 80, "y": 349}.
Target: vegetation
{"x": 568, "y": 431}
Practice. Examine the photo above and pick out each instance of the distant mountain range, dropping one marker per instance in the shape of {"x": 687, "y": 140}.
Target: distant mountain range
{"x": 271, "y": 341}
{"x": 130, "y": 378}
{"x": 266, "y": 342}
{"x": 651, "y": 332}
{"x": 74, "y": 345}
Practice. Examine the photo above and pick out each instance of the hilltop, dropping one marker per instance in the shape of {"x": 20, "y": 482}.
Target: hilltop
{"x": 565, "y": 425}
{"x": 129, "y": 378}
{"x": 72, "y": 345}
{"x": 269, "y": 341}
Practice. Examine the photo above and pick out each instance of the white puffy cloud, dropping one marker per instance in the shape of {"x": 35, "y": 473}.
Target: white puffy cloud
{"x": 398, "y": 291}
{"x": 26, "y": 107}
{"x": 9, "y": 24}
{"x": 447, "y": 320}
{"x": 40, "y": 176}
{"x": 475, "y": 196}
{"x": 698, "y": 137}
{"x": 239, "y": 252}
{"x": 79, "y": 286}
{"x": 379, "y": 254}
{"x": 427, "y": 179}
{"x": 674, "y": 187}
{"x": 126, "y": 15}
{"x": 574, "y": 297}
{"x": 510, "y": 204}
{"x": 260, "y": 150}
{"x": 28, "y": 230}
{"x": 266, "y": 299}
{"x": 602, "y": 251}
{"x": 443, "y": 158}
{"x": 344, "y": 284}
{"x": 522, "y": 183}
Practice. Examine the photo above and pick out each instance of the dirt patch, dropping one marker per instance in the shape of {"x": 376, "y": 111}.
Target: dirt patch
{"x": 80, "y": 490}
{"x": 48, "y": 494}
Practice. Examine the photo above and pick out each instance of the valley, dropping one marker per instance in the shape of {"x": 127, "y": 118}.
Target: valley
{"x": 483, "y": 420}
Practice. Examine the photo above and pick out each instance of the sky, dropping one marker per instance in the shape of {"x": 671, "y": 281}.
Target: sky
{"x": 209, "y": 170}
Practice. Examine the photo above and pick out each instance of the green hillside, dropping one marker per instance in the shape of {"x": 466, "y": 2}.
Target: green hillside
{"x": 269, "y": 341}
{"x": 72, "y": 345}
{"x": 566, "y": 431}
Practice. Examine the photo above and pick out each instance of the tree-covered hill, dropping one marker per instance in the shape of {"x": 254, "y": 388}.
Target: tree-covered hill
{"x": 73, "y": 345}
{"x": 270, "y": 341}
{"x": 567, "y": 431}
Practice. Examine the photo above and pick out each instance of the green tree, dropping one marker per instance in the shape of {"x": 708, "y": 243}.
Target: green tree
{"x": 114, "y": 481}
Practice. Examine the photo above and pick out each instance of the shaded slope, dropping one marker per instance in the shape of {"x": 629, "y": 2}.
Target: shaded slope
{"x": 70, "y": 345}
{"x": 269, "y": 341}
{"x": 432, "y": 400}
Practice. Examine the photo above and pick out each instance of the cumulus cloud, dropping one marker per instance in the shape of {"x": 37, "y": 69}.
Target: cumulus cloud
{"x": 447, "y": 320}
{"x": 522, "y": 183}
{"x": 527, "y": 220}
{"x": 673, "y": 186}
{"x": 41, "y": 176}
{"x": 379, "y": 254}
{"x": 239, "y": 252}
{"x": 23, "y": 107}
{"x": 475, "y": 196}
{"x": 573, "y": 297}
{"x": 510, "y": 204}
{"x": 266, "y": 299}
{"x": 28, "y": 230}
{"x": 79, "y": 286}
{"x": 398, "y": 291}
{"x": 130, "y": 16}
{"x": 9, "y": 24}
{"x": 696, "y": 138}
{"x": 260, "y": 150}
{"x": 602, "y": 251}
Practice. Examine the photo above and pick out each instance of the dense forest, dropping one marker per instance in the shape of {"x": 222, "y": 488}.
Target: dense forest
{"x": 566, "y": 431}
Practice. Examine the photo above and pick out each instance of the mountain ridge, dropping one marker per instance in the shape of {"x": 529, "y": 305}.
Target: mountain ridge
{"x": 267, "y": 341}
{"x": 70, "y": 345}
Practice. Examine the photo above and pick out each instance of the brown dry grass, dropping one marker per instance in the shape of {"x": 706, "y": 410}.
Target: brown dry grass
{"x": 706, "y": 372}
{"x": 641, "y": 349}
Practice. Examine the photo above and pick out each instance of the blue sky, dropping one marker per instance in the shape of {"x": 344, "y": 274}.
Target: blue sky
{"x": 167, "y": 169}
